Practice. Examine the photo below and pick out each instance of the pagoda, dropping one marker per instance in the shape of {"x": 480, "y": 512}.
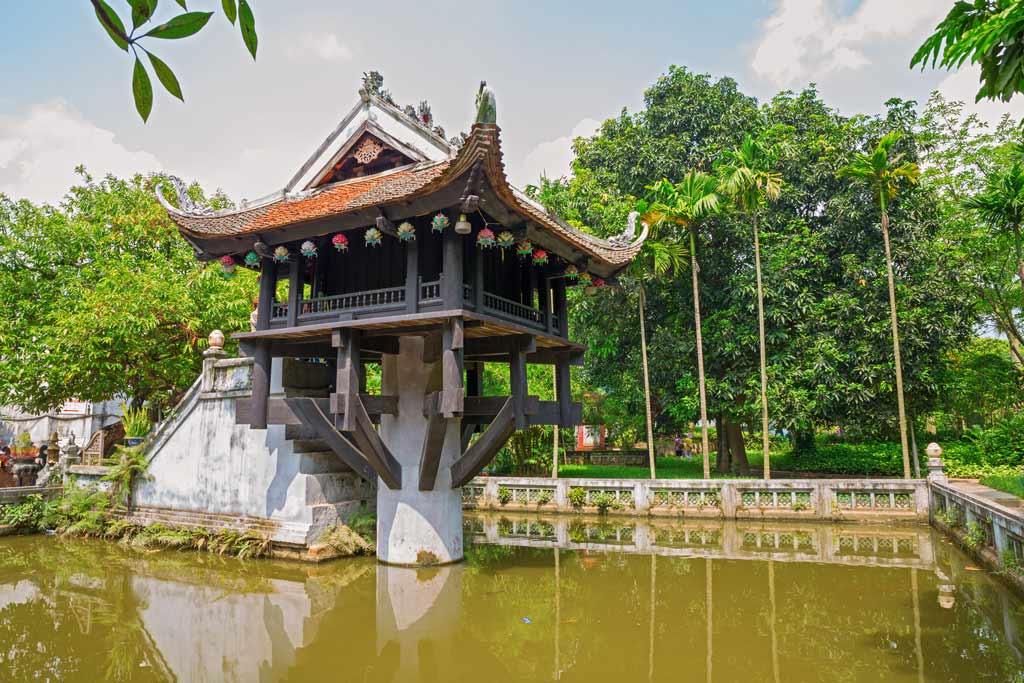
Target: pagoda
{"x": 393, "y": 245}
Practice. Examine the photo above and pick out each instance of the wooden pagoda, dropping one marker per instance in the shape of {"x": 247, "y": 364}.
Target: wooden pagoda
{"x": 390, "y": 233}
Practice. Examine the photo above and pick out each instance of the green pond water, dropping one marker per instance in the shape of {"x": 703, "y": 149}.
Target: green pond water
{"x": 536, "y": 599}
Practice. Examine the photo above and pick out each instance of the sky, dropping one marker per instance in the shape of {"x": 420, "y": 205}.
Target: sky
{"x": 558, "y": 69}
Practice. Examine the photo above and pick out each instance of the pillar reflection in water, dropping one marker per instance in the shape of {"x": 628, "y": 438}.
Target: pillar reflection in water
{"x": 418, "y": 613}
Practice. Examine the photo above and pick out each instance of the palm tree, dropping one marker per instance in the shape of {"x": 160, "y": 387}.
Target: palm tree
{"x": 660, "y": 254}
{"x": 883, "y": 172}
{"x": 747, "y": 176}
{"x": 687, "y": 204}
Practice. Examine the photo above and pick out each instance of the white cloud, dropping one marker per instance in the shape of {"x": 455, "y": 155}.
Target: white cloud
{"x": 808, "y": 40}
{"x": 552, "y": 158}
{"x": 39, "y": 152}
{"x": 963, "y": 85}
{"x": 322, "y": 47}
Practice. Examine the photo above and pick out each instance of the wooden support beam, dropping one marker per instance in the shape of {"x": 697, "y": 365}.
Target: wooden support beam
{"x": 500, "y": 345}
{"x": 384, "y": 224}
{"x": 544, "y": 299}
{"x": 452, "y": 343}
{"x": 373, "y": 447}
{"x": 260, "y": 386}
{"x": 561, "y": 309}
{"x": 433, "y": 444}
{"x": 486, "y": 447}
{"x": 518, "y": 384}
{"x": 451, "y": 272}
{"x": 278, "y": 412}
{"x": 309, "y": 412}
{"x": 268, "y": 285}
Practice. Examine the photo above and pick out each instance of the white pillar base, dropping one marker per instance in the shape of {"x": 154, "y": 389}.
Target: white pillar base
{"x": 416, "y": 528}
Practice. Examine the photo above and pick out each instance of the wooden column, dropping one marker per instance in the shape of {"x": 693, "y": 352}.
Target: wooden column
{"x": 346, "y": 385}
{"x": 412, "y": 277}
{"x": 295, "y": 286}
{"x": 268, "y": 285}
{"x": 544, "y": 296}
{"x": 478, "y": 281}
{"x": 518, "y": 383}
{"x": 474, "y": 387}
{"x": 260, "y": 385}
{"x": 451, "y": 274}
{"x": 563, "y": 388}
{"x": 561, "y": 309}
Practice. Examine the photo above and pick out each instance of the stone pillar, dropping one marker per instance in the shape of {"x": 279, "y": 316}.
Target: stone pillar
{"x": 417, "y": 527}
{"x": 936, "y": 471}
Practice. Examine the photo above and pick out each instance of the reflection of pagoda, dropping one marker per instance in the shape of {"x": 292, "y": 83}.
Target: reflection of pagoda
{"x": 395, "y": 247}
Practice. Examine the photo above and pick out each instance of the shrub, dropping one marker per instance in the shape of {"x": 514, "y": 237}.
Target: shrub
{"x": 604, "y": 501}
{"x": 504, "y": 495}
{"x": 26, "y": 517}
{"x": 976, "y": 537}
{"x": 543, "y": 498}
{"x": 577, "y": 497}
{"x": 948, "y": 517}
{"x": 135, "y": 420}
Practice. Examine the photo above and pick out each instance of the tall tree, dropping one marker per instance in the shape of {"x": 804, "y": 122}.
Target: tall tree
{"x": 687, "y": 205}
{"x": 1001, "y": 205}
{"x": 749, "y": 176}
{"x": 883, "y": 170}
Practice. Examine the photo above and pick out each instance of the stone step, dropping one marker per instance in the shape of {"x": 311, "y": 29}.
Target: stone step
{"x": 320, "y": 462}
{"x": 205, "y": 520}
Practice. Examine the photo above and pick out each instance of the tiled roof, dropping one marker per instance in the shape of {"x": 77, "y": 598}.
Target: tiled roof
{"x": 482, "y": 146}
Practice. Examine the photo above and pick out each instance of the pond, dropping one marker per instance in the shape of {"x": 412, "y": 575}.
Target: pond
{"x": 536, "y": 599}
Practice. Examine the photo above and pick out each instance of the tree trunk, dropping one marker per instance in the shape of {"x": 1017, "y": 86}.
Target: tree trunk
{"x": 896, "y": 347}
{"x": 913, "y": 445}
{"x": 647, "y": 385}
{"x": 723, "y": 461}
{"x": 554, "y": 430}
{"x": 700, "y": 353}
{"x": 738, "y": 448}
{"x": 765, "y": 444}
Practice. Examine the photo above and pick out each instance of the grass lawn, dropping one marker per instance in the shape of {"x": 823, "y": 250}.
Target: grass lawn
{"x": 1010, "y": 483}
{"x": 665, "y": 468}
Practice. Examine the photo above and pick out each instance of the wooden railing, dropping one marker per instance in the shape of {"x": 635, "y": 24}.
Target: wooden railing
{"x": 430, "y": 292}
{"x": 320, "y": 307}
{"x": 507, "y": 308}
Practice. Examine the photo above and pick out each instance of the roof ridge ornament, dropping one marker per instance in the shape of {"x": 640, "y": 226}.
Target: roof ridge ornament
{"x": 185, "y": 202}
{"x": 486, "y": 106}
{"x": 626, "y": 238}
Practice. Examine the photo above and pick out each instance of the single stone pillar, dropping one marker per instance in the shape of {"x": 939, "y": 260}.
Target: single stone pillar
{"x": 417, "y": 527}
{"x": 936, "y": 471}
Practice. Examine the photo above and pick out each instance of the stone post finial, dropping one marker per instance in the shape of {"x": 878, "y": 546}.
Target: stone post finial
{"x": 216, "y": 348}
{"x": 936, "y": 471}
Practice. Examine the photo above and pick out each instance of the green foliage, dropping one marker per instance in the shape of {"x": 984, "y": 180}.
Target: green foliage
{"x": 504, "y": 495}
{"x": 135, "y": 420}
{"x": 987, "y": 33}
{"x": 948, "y": 517}
{"x": 975, "y": 537}
{"x": 604, "y": 501}
{"x": 26, "y": 517}
{"x": 1010, "y": 483}
{"x": 544, "y": 497}
{"x": 577, "y": 497}
{"x": 112, "y": 299}
{"x": 346, "y": 541}
{"x": 180, "y": 26}
{"x": 364, "y": 523}
{"x": 131, "y": 464}
{"x": 1011, "y": 563}
{"x": 981, "y": 382}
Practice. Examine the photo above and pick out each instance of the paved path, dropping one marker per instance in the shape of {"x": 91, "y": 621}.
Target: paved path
{"x": 1011, "y": 503}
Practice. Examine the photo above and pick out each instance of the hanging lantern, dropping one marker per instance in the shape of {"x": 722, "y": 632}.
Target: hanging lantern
{"x": 281, "y": 254}
{"x": 340, "y": 242}
{"x": 439, "y": 222}
{"x": 252, "y": 259}
{"x": 485, "y": 239}
{"x": 598, "y": 282}
{"x": 463, "y": 227}
{"x": 524, "y": 248}
{"x": 572, "y": 272}
{"x": 585, "y": 278}
{"x": 373, "y": 237}
{"x": 308, "y": 249}
{"x": 227, "y": 266}
{"x": 540, "y": 257}
{"x": 406, "y": 232}
{"x": 506, "y": 239}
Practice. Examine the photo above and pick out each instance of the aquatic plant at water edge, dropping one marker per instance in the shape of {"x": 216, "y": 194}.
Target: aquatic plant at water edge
{"x": 577, "y": 497}
{"x": 504, "y": 495}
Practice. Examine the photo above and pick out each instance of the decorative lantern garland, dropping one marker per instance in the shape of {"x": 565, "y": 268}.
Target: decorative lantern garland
{"x": 485, "y": 239}
{"x": 340, "y": 242}
{"x": 406, "y": 232}
{"x": 227, "y": 266}
{"x": 524, "y": 248}
{"x": 540, "y": 257}
{"x": 373, "y": 237}
{"x": 308, "y": 249}
{"x": 572, "y": 272}
{"x": 252, "y": 259}
{"x": 506, "y": 239}
{"x": 281, "y": 254}
{"x": 439, "y": 222}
